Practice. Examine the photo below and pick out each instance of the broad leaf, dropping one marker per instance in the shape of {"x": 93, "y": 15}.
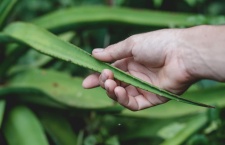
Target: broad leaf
{"x": 23, "y": 128}
{"x": 59, "y": 87}
{"x": 30, "y": 95}
{"x": 48, "y": 43}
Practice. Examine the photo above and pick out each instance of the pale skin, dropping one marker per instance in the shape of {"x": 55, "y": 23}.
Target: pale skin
{"x": 171, "y": 59}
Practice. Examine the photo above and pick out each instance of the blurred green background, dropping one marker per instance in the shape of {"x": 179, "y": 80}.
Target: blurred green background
{"x": 41, "y": 98}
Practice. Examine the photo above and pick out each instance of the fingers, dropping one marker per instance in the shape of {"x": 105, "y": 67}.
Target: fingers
{"x": 94, "y": 80}
{"x": 110, "y": 86}
{"x": 126, "y": 95}
{"x": 105, "y": 75}
{"x": 116, "y": 51}
{"x": 133, "y": 103}
{"x": 91, "y": 81}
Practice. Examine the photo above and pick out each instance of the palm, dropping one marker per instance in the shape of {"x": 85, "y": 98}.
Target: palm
{"x": 153, "y": 62}
{"x": 141, "y": 71}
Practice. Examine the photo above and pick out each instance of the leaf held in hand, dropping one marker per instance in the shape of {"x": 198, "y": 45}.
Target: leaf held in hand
{"x": 49, "y": 44}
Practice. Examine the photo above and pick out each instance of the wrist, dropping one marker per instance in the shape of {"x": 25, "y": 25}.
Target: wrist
{"x": 203, "y": 51}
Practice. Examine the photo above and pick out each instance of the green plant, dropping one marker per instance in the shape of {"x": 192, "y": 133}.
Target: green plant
{"x": 41, "y": 98}
{"x": 50, "y": 45}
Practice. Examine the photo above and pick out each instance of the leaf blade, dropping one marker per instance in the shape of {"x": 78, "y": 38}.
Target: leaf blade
{"x": 5, "y": 7}
{"x": 23, "y": 128}
{"x": 58, "y": 90}
{"x": 49, "y": 44}
{"x": 77, "y": 17}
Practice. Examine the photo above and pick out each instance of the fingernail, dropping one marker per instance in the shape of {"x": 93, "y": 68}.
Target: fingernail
{"x": 104, "y": 77}
{"x": 97, "y": 50}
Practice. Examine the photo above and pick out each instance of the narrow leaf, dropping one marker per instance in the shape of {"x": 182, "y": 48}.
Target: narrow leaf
{"x": 2, "y": 110}
{"x": 23, "y": 128}
{"x": 5, "y": 8}
{"x": 50, "y": 44}
{"x": 214, "y": 95}
{"x": 78, "y": 17}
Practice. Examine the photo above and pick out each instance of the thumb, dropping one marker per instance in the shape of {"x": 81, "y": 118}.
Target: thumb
{"x": 115, "y": 52}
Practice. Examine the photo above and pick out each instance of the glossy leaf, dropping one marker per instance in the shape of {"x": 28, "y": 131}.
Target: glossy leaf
{"x": 23, "y": 128}
{"x": 49, "y": 44}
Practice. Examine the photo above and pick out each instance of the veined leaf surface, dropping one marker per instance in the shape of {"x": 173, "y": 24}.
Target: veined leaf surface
{"x": 49, "y": 44}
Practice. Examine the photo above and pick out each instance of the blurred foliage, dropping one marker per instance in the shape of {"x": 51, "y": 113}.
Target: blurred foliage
{"x": 42, "y": 101}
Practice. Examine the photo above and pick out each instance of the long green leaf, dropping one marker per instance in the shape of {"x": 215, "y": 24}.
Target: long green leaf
{"x": 49, "y": 44}
{"x": 30, "y": 95}
{"x": 23, "y": 128}
{"x": 5, "y": 8}
{"x": 59, "y": 87}
{"x": 84, "y": 17}
{"x": 214, "y": 95}
{"x": 92, "y": 16}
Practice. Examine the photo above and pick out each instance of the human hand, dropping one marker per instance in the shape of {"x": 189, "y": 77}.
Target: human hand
{"x": 153, "y": 57}
{"x": 163, "y": 58}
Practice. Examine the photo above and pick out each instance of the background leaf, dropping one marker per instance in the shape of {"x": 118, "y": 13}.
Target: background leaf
{"x": 2, "y": 111}
{"x": 77, "y": 18}
{"x": 43, "y": 41}
{"x": 23, "y": 128}
{"x": 5, "y": 7}
{"x": 62, "y": 88}
{"x": 58, "y": 128}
